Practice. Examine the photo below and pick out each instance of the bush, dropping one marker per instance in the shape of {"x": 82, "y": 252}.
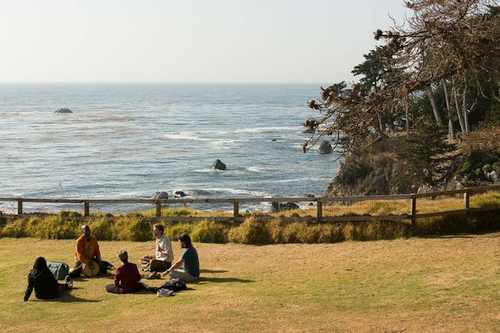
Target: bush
{"x": 174, "y": 230}
{"x": 15, "y": 228}
{"x": 104, "y": 229}
{"x": 135, "y": 229}
{"x": 252, "y": 231}
{"x": 209, "y": 232}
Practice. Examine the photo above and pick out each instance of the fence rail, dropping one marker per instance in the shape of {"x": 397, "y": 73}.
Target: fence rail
{"x": 320, "y": 202}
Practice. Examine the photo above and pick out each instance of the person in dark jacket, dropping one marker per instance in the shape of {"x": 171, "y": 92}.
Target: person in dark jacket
{"x": 43, "y": 281}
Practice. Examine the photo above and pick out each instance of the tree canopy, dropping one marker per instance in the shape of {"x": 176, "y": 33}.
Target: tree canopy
{"x": 445, "y": 56}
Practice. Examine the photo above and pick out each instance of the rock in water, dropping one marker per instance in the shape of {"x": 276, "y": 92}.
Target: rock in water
{"x": 325, "y": 148}
{"x": 63, "y": 110}
{"x": 218, "y": 165}
{"x": 161, "y": 195}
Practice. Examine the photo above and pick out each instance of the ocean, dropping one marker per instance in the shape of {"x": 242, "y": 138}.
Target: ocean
{"x": 133, "y": 140}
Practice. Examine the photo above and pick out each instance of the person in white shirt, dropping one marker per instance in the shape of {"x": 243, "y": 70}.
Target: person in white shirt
{"x": 162, "y": 259}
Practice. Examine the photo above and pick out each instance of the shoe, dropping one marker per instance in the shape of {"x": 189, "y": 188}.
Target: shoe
{"x": 152, "y": 289}
{"x": 164, "y": 293}
{"x": 153, "y": 276}
{"x": 68, "y": 281}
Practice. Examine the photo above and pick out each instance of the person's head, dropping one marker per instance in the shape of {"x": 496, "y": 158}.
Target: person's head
{"x": 123, "y": 256}
{"x": 86, "y": 231}
{"x": 184, "y": 239}
{"x": 158, "y": 230}
{"x": 40, "y": 263}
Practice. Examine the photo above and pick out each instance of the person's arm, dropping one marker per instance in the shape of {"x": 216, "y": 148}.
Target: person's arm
{"x": 29, "y": 289}
{"x": 97, "y": 251}
{"x": 80, "y": 249}
{"x": 117, "y": 278}
{"x": 176, "y": 265}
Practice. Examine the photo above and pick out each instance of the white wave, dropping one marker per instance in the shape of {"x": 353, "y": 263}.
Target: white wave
{"x": 256, "y": 169}
{"x": 185, "y": 136}
{"x": 221, "y": 144}
{"x": 238, "y": 191}
{"x": 266, "y": 129}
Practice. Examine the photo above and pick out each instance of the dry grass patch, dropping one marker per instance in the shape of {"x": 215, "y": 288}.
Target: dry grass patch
{"x": 448, "y": 284}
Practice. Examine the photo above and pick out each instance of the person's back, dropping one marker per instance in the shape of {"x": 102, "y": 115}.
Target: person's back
{"x": 128, "y": 277}
{"x": 45, "y": 284}
{"x": 191, "y": 261}
{"x": 43, "y": 281}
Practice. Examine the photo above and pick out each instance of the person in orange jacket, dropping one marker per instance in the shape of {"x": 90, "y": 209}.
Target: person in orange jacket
{"x": 87, "y": 253}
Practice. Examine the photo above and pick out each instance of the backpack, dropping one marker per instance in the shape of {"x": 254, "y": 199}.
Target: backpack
{"x": 174, "y": 285}
{"x": 58, "y": 269}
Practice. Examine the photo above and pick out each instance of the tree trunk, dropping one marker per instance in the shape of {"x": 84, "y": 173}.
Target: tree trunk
{"x": 451, "y": 130}
{"x": 465, "y": 113}
{"x": 407, "y": 116}
{"x": 434, "y": 105}
{"x": 457, "y": 106}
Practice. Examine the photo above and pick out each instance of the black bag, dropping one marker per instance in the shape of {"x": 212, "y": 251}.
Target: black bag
{"x": 58, "y": 269}
{"x": 107, "y": 265}
{"x": 174, "y": 285}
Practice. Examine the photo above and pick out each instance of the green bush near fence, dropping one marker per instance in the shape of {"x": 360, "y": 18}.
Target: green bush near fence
{"x": 254, "y": 230}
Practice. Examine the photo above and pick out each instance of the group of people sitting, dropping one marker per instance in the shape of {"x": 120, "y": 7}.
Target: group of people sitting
{"x": 127, "y": 278}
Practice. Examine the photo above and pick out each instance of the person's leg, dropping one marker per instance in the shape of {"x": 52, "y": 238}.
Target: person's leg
{"x": 102, "y": 269}
{"x": 159, "y": 265}
{"x": 77, "y": 270}
{"x": 111, "y": 288}
{"x": 62, "y": 287}
{"x": 183, "y": 275}
{"x": 145, "y": 264}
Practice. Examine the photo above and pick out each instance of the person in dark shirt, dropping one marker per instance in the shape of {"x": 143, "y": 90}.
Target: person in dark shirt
{"x": 127, "y": 278}
{"x": 43, "y": 281}
{"x": 189, "y": 261}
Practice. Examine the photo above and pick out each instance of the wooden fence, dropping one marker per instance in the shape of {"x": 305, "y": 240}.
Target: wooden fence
{"x": 320, "y": 202}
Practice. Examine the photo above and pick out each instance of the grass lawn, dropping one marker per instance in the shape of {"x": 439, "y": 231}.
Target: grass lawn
{"x": 446, "y": 284}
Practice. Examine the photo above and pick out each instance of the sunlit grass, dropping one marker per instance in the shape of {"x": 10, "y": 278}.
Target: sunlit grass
{"x": 448, "y": 284}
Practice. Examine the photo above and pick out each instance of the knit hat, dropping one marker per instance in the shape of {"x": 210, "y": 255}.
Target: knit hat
{"x": 123, "y": 255}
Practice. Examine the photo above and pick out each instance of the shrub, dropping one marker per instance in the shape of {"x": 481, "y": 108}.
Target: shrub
{"x": 104, "y": 229}
{"x": 134, "y": 229}
{"x": 209, "y": 232}
{"x": 174, "y": 230}
{"x": 252, "y": 231}
{"x": 15, "y": 228}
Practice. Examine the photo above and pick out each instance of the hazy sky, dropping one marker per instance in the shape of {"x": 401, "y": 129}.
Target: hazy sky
{"x": 299, "y": 41}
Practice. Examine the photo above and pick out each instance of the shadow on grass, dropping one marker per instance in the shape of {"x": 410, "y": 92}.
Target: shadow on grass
{"x": 203, "y": 280}
{"x": 211, "y": 271}
{"x": 67, "y": 297}
{"x": 82, "y": 278}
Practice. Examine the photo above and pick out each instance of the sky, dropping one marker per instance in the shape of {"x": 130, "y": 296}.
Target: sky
{"x": 188, "y": 41}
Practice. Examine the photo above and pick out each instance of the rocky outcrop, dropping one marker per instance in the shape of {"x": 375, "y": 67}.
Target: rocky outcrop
{"x": 161, "y": 195}
{"x": 63, "y": 110}
{"x": 279, "y": 207}
{"x": 379, "y": 171}
{"x": 180, "y": 194}
{"x": 325, "y": 148}
{"x": 218, "y": 165}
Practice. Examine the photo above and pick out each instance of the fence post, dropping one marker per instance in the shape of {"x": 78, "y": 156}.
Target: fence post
{"x": 319, "y": 210}
{"x": 467, "y": 200}
{"x": 413, "y": 209}
{"x": 236, "y": 209}
{"x": 87, "y": 208}
{"x": 19, "y": 206}
{"x": 158, "y": 209}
